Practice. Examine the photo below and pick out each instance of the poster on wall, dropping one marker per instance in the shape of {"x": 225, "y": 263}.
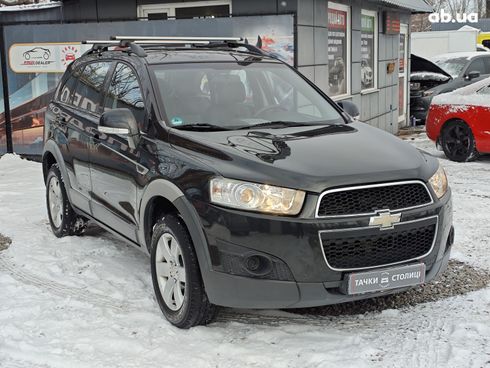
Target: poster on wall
{"x": 39, "y": 54}
{"x": 368, "y": 50}
{"x": 337, "y": 52}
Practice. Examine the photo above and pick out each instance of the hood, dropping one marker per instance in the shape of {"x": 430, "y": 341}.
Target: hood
{"x": 419, "y": 66}
{"x": 307, "y": 158}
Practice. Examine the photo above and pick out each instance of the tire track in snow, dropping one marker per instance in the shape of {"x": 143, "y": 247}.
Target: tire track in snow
{"x": 61, "y": 290}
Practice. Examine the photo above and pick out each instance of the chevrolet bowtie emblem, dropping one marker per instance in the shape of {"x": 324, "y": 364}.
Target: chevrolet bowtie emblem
{"x": 385, "y": 220}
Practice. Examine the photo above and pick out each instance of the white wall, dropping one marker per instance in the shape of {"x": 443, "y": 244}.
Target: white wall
{"x": 428, "y": 44}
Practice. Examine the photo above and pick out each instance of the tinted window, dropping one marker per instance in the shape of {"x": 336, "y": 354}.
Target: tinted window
{"x": 69, "y": 87}
{"x": 88, "y": 91}
{"x": 125, "y": 92}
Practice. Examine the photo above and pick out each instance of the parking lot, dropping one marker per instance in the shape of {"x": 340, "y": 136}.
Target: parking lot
{"x": 88, "y": 302}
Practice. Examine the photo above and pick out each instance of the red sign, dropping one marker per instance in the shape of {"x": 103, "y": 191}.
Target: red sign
{"x": 391, "y": 23}
{"x": 337, "y": 19}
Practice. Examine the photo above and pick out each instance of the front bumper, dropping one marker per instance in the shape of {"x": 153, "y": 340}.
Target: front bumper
{"x": 296, "y": 243}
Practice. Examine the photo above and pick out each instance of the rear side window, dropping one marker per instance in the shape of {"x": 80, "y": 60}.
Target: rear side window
{"x": 69, "y": 87}
{"x": 125, "y": 92}
{"x": 89, "y": 88}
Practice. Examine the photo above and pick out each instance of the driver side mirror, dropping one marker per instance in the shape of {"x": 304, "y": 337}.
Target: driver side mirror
{"x": 472, "y": 75}
{"x": 120, "y": 122}
{"x": 350, "y": 108}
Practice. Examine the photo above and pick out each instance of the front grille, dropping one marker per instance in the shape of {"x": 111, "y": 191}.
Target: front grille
{"x": 369, "y": 199}
{"x": 360, "y": 248}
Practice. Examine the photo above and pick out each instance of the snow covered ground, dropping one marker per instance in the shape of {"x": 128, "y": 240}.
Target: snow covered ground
{"x": 88, "y": 302}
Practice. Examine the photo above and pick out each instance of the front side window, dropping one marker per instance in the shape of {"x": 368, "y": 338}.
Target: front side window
{"x": 89, "y": 88}
{"x": 125, "y": 92}
{"x": 369, "y": 47}
{"x": 234, "y": 96}
{"x": 338, "y": 49}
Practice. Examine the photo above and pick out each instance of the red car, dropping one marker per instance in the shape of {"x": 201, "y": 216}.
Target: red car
{"x": 459, "y": 121}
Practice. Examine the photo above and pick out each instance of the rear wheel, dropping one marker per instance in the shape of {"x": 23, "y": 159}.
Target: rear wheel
{"x": 458, "y": 142}
{"x": 177, "y": 281}
{"x": 63, "y": 220}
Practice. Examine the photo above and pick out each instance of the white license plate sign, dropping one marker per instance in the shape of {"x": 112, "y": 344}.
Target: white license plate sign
{"x": 386, "y": 279}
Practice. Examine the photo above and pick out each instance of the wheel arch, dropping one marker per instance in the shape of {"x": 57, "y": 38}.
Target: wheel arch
{"x": 162, "y": 196}
{"x": 52, "y": 155}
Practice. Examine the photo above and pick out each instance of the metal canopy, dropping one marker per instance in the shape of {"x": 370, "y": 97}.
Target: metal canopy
{"x": 415, "y": 6}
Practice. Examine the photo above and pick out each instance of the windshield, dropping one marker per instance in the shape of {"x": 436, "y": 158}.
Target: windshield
{"x": 453, "y": 67}
{"x": 239, "y": 96}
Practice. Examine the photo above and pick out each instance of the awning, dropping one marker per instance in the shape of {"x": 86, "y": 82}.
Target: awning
{"x": 415, "y": 6}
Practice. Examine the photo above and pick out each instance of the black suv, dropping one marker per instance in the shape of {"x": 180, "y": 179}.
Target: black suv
{"x": 247, "y": 185}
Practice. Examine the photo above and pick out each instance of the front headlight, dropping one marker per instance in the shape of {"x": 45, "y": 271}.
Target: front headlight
{"x": 428, "y": 93}
{"x": 438, "y": 181}
{"x": 256, "y": 197}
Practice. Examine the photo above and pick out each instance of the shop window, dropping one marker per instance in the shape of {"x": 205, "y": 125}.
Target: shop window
{"x": 339, "y": 65}
{"x": 369, "y": 50}
{"x": 194, "y": 9}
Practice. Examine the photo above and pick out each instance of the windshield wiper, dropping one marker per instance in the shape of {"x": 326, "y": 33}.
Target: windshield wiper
{"x": 277, "y": 124}
{"x": 200, "y": 126}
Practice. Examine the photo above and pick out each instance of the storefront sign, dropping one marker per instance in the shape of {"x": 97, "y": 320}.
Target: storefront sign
{"x": 337, "y": 51}
{"x": 391, "y": 23}
{"x": 44, "y": 57}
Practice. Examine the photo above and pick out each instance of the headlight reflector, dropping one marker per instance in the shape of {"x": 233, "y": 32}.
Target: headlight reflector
{"x": 439, "y": 183}
{"x": 256, "y": 197}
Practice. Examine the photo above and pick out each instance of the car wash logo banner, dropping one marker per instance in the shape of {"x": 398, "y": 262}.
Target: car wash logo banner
{"x": 44, "y": 57}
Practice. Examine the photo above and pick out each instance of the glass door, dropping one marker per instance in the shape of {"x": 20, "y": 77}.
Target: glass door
{"x": 403, "y": 74}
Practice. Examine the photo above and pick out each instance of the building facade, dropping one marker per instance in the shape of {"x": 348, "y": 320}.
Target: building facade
{"x": 353, "y": 50}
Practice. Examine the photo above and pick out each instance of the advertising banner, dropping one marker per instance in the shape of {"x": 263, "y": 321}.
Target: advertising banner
{"x": 367, "y": 51}
{"x": 337, "y": 51}
{"x": 39, "y": 54}
{"x": 44, "y": 57}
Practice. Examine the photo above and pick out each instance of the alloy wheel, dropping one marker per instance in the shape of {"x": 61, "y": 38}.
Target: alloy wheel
{"x": 458, "y": 141}
{"x": 55, "y": 200}
{"x": 170, "y": 270}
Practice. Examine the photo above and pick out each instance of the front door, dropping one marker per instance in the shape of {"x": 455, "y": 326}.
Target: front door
{"x": 115, "y": 169}
{"x": 403, "y": 75}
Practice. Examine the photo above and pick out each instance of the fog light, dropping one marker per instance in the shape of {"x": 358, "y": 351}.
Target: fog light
{"x": 258, "y": 265}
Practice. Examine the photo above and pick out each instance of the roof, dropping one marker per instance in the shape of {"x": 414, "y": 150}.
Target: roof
{"x": 164, "y": 56}
{"x": 454, "y": 55}
{"x": 415, "y": 6}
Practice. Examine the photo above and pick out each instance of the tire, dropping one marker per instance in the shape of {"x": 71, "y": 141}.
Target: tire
{"x": 458, "y": 142}
{"x": 175, "y": 273}
{"x": 63, "y": 220}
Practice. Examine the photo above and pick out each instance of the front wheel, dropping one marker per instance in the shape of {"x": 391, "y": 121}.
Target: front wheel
{"x": 458, "y": 142}
{"x": 177, "y": 281}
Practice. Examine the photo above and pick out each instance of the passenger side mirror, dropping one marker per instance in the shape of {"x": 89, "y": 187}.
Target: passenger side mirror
{"x": 472, "y": 75}
{"x": 350, "y": 108}
{"x": 120, "y": 122}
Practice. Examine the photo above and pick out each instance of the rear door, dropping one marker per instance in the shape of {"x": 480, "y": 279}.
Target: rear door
{"x": 78, "y": 102}
{"x": 116, "y": 169}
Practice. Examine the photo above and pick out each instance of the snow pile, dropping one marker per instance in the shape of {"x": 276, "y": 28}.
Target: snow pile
{"x": 88, "y": 302}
